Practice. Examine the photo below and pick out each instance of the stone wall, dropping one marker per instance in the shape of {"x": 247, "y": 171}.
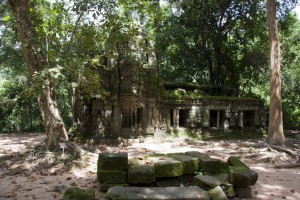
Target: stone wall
{"x": 138, "y": 103}
{"x": 213, "y": 176}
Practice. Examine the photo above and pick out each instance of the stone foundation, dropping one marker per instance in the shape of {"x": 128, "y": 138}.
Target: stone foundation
{"x": 216, "y": 178}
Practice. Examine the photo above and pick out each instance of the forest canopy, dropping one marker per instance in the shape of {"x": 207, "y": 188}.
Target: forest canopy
{"x": 220, "y": 43}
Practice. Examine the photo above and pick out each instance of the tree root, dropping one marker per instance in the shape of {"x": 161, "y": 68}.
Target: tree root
{"x": 296, "y": 162}
{"x": 275, "y": 149}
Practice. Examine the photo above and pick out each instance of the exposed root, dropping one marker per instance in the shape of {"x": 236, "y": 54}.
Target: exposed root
{"x": 276, "y": 149}
{"x": 39, "y": 157}
{"x": 296, "y": 162}
{"x": 288, "y": 166}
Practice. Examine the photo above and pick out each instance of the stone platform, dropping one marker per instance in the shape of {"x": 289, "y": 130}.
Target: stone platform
{"x": 157, "y": 193}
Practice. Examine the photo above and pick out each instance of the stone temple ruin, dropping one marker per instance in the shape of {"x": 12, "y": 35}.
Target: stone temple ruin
{"x": 140, "y": 103}
{"x": 184, "y": 176}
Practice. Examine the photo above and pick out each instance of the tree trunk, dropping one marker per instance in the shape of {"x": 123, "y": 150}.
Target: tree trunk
{"x": 36, "y": 62}
{"x": 275, "y": 134}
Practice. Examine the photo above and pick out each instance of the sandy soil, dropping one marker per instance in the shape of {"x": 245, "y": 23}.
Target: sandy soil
{"x": 22, "y": 177}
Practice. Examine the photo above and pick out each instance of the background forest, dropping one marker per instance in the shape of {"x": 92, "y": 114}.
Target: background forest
{"x": 211, "y": 42}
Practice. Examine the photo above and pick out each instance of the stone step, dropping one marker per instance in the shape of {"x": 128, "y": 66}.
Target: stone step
{"x": 157, "y": 193}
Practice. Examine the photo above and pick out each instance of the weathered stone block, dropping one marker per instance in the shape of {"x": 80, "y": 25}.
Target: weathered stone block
{"x": 111, "y": 176}
{"x": 78, "y": 194}
{"x": 221, "y": 176}
{"x": 157, "y": 193}
{"x": 190, "y": 164}
{"x": 206, "y": 182}
{"x": 217, "y": 194}
{"x": 229, "y": 190}
{"x": 227, "y": 187}
{"x": 186, "y": 180}
{"x": 241, "y": 176}
{"x": 208, "y": 164}
{"x": 113, "y": 161}
{"x": 235, "y": 161}
{"x": 141, "y": 174}
{"x": 167, "y": 182}
{"x": 196, "y": 154}
{"x": 165, "y": 166}
{"x": 243, "y": 192}
{"x": 223, "y": 166}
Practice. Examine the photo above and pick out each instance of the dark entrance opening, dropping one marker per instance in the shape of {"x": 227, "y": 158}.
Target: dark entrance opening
{"x": 217, "y": 118}
{"x": 213, "y": 118}
{"x": 183, "y": 115}
{"x": 249, "y": 118}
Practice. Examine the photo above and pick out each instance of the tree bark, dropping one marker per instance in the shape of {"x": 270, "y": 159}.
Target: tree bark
{"x": 36, "y": 62}
{"x": 275, "y": 134}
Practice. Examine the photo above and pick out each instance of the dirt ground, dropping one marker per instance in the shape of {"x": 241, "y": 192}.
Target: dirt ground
{"x": 22, "y": 177}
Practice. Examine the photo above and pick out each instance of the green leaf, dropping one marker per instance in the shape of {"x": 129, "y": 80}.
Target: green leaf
{"x": 6, "y": 18}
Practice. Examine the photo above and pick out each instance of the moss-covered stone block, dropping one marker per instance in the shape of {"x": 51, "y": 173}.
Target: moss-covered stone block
{"x": 211, "y": 165}
{"x": 217, "y": 194}
{"x": 111, "y": 176}
{"x": 197, "y": 154}
{"x": 113, "y": 161}
{"x": 208, "y": 164}
{"x": 235, "y": 161}
{"x": 165, "y": 166}
{"x": 241, "y": 176}
{"x": 141, "y": 174}
{"x": 190, "y": 164}
{"x": 78, "y": 194}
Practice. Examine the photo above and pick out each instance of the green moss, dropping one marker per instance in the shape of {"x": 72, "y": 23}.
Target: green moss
{"x": 190, "y": 164}
{"x": 168, "y": 169}
{"x": 112, "y": 161}
{"x": 141, "y": 174}
{"x": 235, "y": 161}
{"x": 241, "y": 176}
{"x": 111, "y": 176}
{"x": 165, "y": 166}
{"x": 217, "y": 194}
{"x": 78, "y": 194}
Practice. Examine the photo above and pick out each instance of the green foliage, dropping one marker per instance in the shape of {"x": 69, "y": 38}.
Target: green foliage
{"x": 18, "y": 112}
{"x": 220, "y": 43}
{"x": 213, "y": 42}
{"x": 290, "y": 71}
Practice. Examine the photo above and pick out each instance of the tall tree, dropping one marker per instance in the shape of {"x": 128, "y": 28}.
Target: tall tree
{"x": 275, "y": 134}
{"x": 37, "y": 63}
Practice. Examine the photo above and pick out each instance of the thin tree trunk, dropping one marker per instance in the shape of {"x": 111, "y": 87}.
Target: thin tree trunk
{"x": 275, "y": 134}
{"x": 36, "y": 62}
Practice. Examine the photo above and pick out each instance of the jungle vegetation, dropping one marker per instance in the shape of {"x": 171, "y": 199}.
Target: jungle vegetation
{"x": 47, "y": 48}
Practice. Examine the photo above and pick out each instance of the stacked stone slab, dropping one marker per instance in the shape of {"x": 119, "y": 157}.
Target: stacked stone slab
{"x": 241, "y": 176}
{"x": 208, "y": 164}
{"x": 164, "y": 166}
{"x": 141, "y": 175}
{"x": 112, "y": 170}
{"x": 190, "y": 164}
{"x": 221, "y": 180}
{"x": 157, "y": 193}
